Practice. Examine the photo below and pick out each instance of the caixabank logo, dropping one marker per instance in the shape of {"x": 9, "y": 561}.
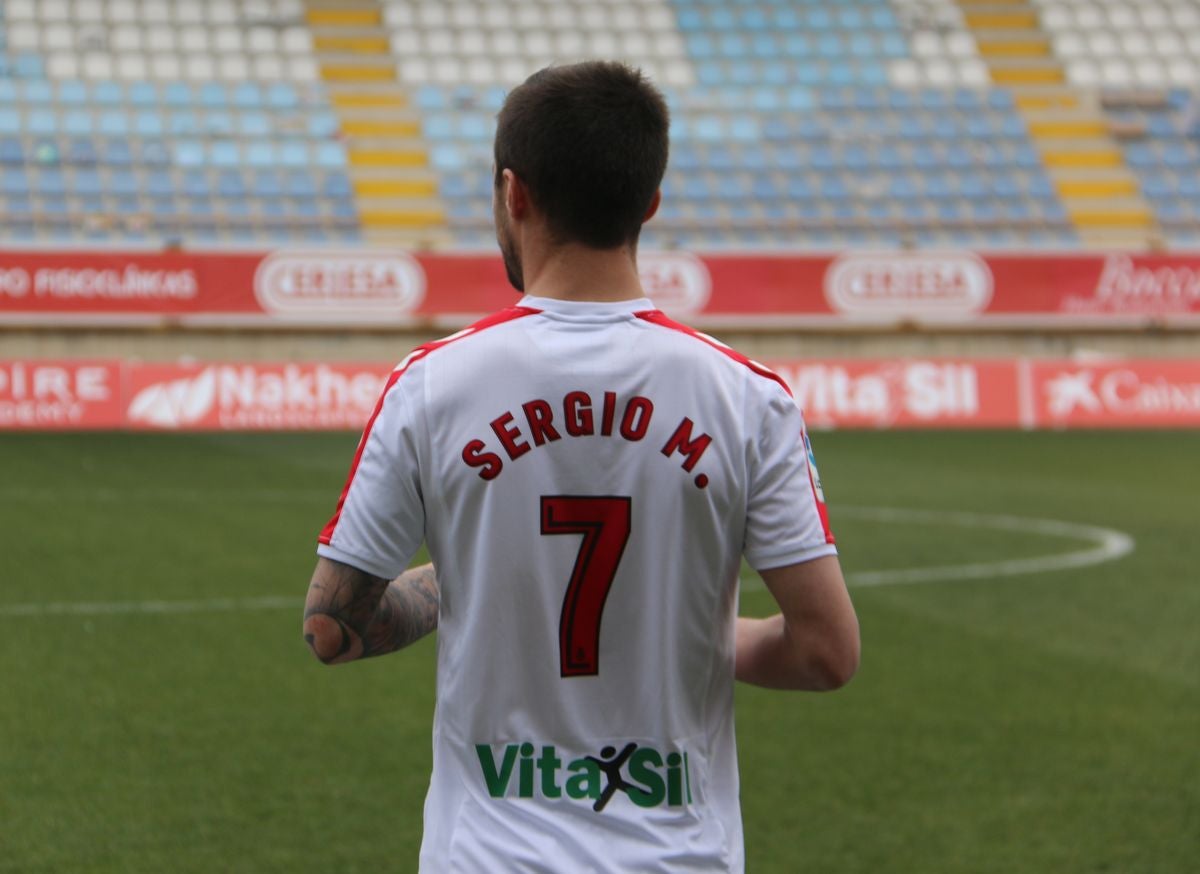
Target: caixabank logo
{"x": 1165, "y": 393}
{"x": 645, "y": 774}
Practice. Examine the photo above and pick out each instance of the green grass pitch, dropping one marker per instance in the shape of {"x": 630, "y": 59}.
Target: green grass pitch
{"x": 1040, "y": 722}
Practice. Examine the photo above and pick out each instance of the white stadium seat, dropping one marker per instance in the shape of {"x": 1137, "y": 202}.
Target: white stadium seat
{"x": 132, "y": 67}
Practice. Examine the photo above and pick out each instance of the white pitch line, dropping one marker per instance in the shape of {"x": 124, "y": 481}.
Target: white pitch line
{"x": 108, "y": 608}
{"x": 1107, "y": 545}
{"x": 101, "y": 494}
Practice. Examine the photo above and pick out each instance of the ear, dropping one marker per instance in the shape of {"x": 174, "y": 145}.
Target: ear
{"x": 653, "y": 208}
{"x": 516, "y": 195}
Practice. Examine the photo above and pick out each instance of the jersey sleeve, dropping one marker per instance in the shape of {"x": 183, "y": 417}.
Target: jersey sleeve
{"x": 786, "y": 519}
{"x": 380, "y": 520}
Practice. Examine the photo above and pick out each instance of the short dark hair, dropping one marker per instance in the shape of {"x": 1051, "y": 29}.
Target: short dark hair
{"x": 590, "y": 142}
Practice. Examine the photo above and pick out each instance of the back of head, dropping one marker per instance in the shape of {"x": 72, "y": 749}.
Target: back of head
{"x": 589, "y": 140}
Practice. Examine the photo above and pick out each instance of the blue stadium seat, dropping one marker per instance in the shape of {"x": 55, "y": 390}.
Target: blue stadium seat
{"x": 336, "y": 185}
{"x": 305, "y": 208}
{"x": 230, "y": 184}
{"x": 154, "y": 153}
{"x": 234, "y": 208}
{"x": 144, "y": 94}
{"x": 454, "y": 186}
{"x": 889, "y": 157}
{"x": 116, "y": 152}
{"x": 1189, "y": 186}
{"x": 903, "y": 187}
{"x": 293, "y": 153}
{"x": 53, "y": 205}
{"x": 50, "y": 182}
{"x": 323, "y": 124}
{"x": 77, "y": 122}
{"x": 281, "y": 95}
{"x": 1026, "y": 156}
{"x": 19, "y": 205}
{"x": 213, "y": 95}
{"x": 926, "y": 155}
{"x": 72, "y": 92}
{"x": 198, "y": 206}
{"x": 430, "y": 97}
{"x": 822, "y": 158}
{"x": 148, "y": 124}
{"x": 958, "y": 157}
{"x": 299, "y": 184}
{"x": 224, "y": 153}
{"x": 218, "y": 123}
{"x": 475, "y": 126}
{"x": 159, "y": 184}
{"x": 30, "y": 67}
{"x": 266, "y": 184}
{"x": 329, "y": 155}
{"x": 974, "y": 186}
{"x": 439, "y": 127}
{"x": 188, "y": 153}
{"x": 798, "y": 188}
{"x": 247, "y": 95}
{"x": 447, "y": 156}
{"x": 254, "y": 124}
{"x": 107, "y": 93}
{"x": 113, "y": 123}
{"x": 1178, "y": 154}
{"x": 41, "y": 120}
{"x": 122, "y": 182}
{"x": 177, "y": 94}
{"x": 195, "y": 183}
{"x": 184, "y": 123}
{"x": 81, "y": 152}
{"x": 86, "y": 182}
{"x": 721, "y": 157}
{"x": 14, "y": 182}
{"x": 11, "y": 151}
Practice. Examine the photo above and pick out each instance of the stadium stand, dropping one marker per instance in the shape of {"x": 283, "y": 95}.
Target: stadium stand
{"x": 1019, "y": 124}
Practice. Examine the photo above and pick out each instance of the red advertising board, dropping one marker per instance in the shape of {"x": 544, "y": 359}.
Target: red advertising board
{"x": 61, "y": 395}
{"x": 252, "y": 397}
{"x": 937, "y": 393}
{"x": 859, "y": 393}
{"x": 1124, "y": 394}
{"x": 373, "y": 287}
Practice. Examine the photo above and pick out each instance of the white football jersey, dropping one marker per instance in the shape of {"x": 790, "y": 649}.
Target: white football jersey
{"x": 587, "y": 477}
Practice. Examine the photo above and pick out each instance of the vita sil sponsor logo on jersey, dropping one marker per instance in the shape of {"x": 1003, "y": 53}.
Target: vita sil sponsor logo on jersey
{"x": 647, "y": 776}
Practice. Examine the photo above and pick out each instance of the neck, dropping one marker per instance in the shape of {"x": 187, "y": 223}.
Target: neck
{"x": 576, "y": 272}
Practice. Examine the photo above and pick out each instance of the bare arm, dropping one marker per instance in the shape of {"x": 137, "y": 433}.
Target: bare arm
{"x": 350, "y": 614}
{"x": 813, "y": 643}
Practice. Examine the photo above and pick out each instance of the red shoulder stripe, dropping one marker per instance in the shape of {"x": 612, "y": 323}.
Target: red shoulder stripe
{"x": 496, "y": 318}
{"x": 658, "y": 317}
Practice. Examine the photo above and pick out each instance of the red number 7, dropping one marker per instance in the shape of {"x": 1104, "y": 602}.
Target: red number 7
{"x": 604, "y": 523}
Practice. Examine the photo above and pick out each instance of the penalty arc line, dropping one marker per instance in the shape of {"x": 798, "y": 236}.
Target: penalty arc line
{"x": 1107, "y": 544}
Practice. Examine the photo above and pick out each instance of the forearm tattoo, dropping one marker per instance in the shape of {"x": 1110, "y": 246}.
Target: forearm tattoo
{"x": 407, "y": 612}
{"x": 352, "y": 615}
